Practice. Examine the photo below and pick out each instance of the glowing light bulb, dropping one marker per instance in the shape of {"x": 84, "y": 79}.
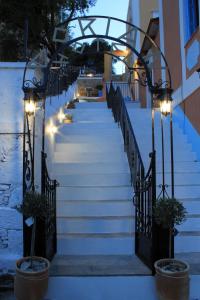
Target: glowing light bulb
{"x": 165, "y": 107}
{"x": 61, "y": 116}
{"x": 30, "y": 107}
{"x": 51, "y": 128}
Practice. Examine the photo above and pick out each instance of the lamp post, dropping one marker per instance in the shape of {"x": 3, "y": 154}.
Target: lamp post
{"x": 28, "y": 162}
{"x": 165, "y": 99}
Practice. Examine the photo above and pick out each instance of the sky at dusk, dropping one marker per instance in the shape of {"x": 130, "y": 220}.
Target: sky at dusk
{"x": 113, "y": 8}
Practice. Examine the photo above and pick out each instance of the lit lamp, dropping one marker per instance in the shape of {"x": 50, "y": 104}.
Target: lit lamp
{"x": 164, "y": 95}
{"x": 29, "y": 104}
{"x": 165, "y": 99}
{"x": 51, "y": 129}
{"x": 61, "y": 116}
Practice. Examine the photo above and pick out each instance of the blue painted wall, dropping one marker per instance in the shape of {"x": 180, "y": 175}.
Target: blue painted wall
{"x": 193, "y": 136}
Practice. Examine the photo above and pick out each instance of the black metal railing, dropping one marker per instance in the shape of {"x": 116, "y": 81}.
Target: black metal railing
{"x": 144, "y": 185}
{"x": 48, "y": 226}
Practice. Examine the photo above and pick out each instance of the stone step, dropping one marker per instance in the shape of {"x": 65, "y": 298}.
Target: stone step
{"x": 94, "y": 193}
{"x": 89, "y": 126}
{"x": 95, "y": 208}
{"x": 90, "y": 168}
{"x": 89, "y": 157}
{"x": 180, "y": 179}
{"x": 184, "y": 192}
{"x": 180, "y": 166}
{"x": 95, "y": 225}
{"x": 178, "y": 156}
{"x": 92, "y": 130}
{"x": 87, "y": 147}
{"x": 92, "y": 105}
{"x": 192, "y": 205}
{"x": 191, "y": 224}
{"x": 97, "y": 265}
{"x": 107, "y": 244}
{"x": 91, "y": 139}
{"x": 94, "y": 180}
{"x": 186, "y": 244}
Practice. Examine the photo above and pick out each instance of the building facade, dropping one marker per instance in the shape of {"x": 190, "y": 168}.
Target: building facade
{"x": 174, "y": 26}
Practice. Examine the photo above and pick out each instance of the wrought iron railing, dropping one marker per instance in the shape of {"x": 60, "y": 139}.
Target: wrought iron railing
{"x": 126, "y": 88}
{"x": 144, "y": 185}
{"x": 48, "y": 188}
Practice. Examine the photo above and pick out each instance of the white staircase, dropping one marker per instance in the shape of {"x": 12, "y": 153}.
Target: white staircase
{"x": 186, "y": 171}
{"x": 95, "y": 213}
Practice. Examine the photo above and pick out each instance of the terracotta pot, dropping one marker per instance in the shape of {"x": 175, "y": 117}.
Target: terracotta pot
{"x": 31, "y": 285}
{"x": 67, "y": 121}
{"x": 172, "y": 285}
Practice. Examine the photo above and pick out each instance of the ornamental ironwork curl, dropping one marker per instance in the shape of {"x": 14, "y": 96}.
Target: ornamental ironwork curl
{"x": 32, "y": 83}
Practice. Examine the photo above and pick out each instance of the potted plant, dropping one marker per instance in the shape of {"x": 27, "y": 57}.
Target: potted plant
{"x": 99, "y": 87}
{"x": 68, "y": 118}
{"x": 32, "y": 272}
{"x": 172, "y": 278}
{"x": 71, "y": 105}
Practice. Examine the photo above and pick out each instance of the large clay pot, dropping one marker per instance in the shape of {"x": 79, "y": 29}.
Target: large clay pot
{"x": 31, "y": 285}
{"x": 172, "y": 285}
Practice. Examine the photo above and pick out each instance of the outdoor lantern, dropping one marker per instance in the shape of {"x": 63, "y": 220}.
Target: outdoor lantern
{"x": 30, "y": 107}
{"x": 165, "y": 98}
{"x": 51, "y": 128}
{"x": 61, "y": 116}
{"x": 29, "y": 102}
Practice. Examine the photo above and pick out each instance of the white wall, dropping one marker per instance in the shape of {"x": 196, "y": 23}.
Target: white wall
{"x": 11, "y": 121}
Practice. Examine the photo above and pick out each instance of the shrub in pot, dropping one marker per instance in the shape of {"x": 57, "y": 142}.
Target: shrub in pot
{"x": 32, "y": 272}
{"x": 172, "y": 279}
{"x": 68, "y": 118}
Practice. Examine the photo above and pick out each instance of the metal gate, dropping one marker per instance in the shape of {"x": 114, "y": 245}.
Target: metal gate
{"x": 144, "y": 185}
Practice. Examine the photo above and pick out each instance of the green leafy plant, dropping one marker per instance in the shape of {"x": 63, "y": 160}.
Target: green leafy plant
{"x": 169, "y": 212}
{"x": 99, "y": 87}
{"x": 34, "y": 206}
{"x": 69, "y": 117}
{"x": 71, "y": 105}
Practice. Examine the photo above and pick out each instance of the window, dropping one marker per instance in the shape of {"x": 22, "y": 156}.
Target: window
{"x": 191, "y": 11}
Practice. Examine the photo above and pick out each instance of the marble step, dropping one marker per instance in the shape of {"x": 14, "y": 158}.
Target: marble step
{"x": 97, "y": 265}
{"x": 192, "y": 206}
{"x": 180, "y": 166}
{"x": 92, "y": 105}
{"x": 95, "y": 208}
{"x": 184, "y": 192}
{"x": 90, "y": 126}
{"x": 91, "y": 139}
{"x": 90, "y": 168}
{"x": 95, "y": 225}
{"x": 191, "y": 225}
{"x": 89, "y": 157}
{"x": 94, "y": 180}
{"x": 87, "y": 147}
{"x": 92, "y": 130}
{"x": 180, "y": 179}
{"x": 186, "y": 244}
{"x": 107, "y": 244}
{"x": 94, "y": 193}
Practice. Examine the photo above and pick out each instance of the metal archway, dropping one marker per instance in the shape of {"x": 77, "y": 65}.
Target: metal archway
{"x": 86, "y": 31}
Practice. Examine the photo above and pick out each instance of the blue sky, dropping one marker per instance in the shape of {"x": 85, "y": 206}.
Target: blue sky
{"x": 113, "y": 8}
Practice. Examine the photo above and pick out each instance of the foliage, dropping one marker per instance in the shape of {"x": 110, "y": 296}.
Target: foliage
{"x": 99, "y": 87}
{"x": 169, "y": 212}
{"x": 71, "y": 105}
{"x": 39, "y": 15}
{"x": 69, "y": 117}
{"x": 34, "y": 205}
{"x": 90, "y": 57}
